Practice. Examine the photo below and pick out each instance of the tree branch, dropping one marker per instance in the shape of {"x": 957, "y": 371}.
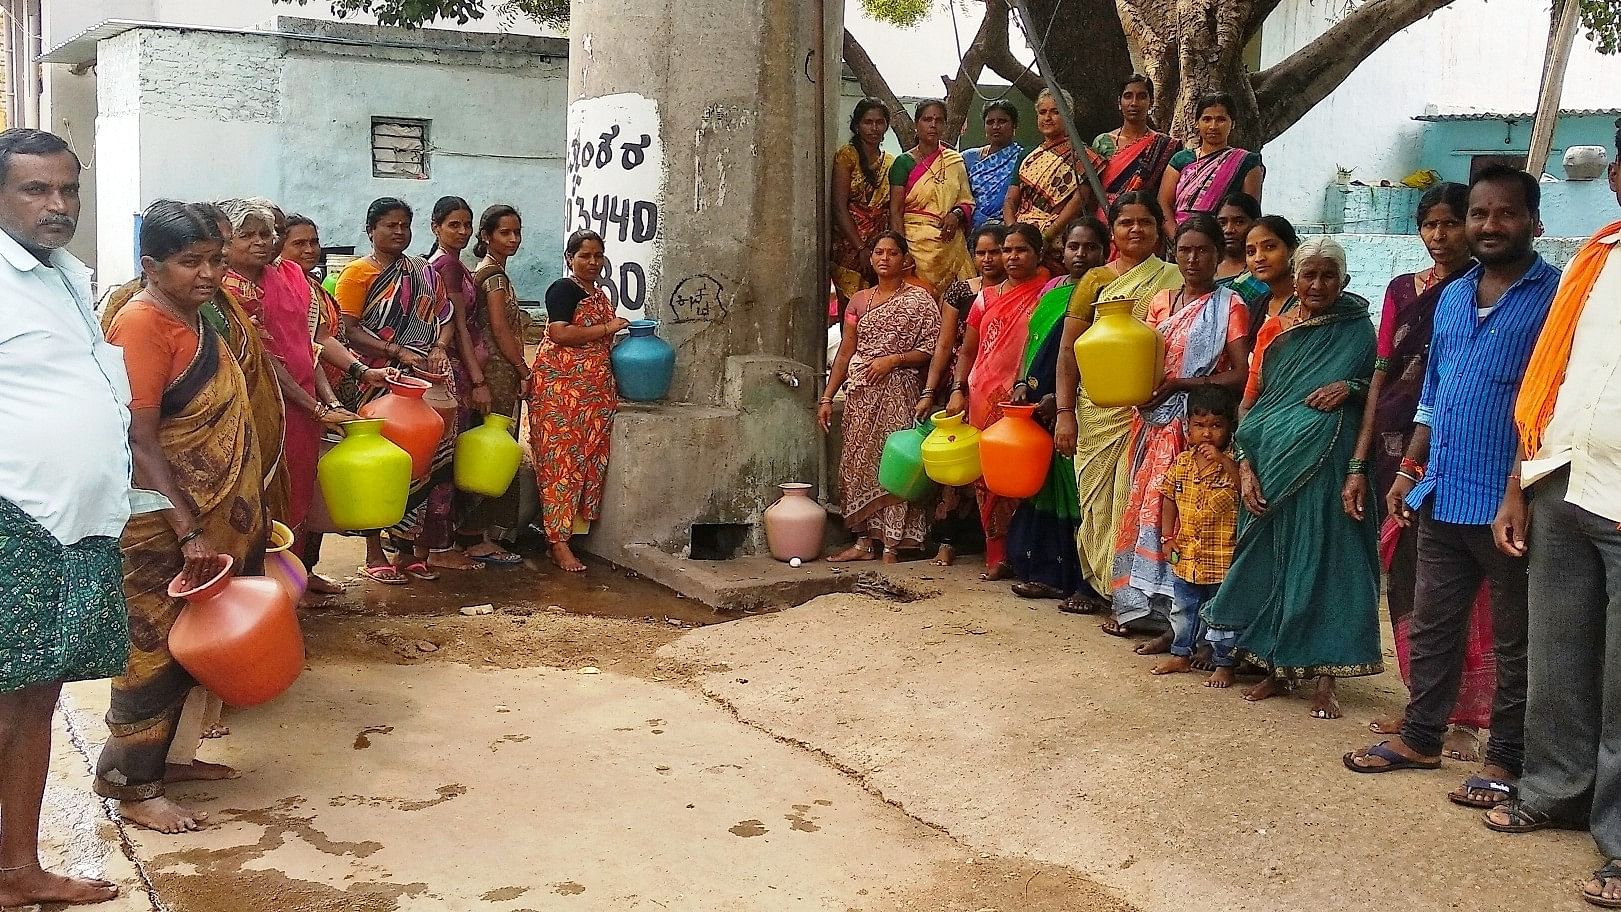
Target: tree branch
{"x": 960, "y": 89}
{"x": 1286, "y": 91}
{"x": 1257, "y": 17}
{"x": 999, "y": 55}
{"x": 874, "y": 84}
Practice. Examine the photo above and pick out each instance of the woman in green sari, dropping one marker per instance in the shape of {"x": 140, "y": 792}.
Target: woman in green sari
{"x": 1041, "y": 536}
{"x": 1095, "y": 436}
{"x": 1301, "y": 599}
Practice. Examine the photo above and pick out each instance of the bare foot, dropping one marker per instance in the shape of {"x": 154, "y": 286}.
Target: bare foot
{"x": 1390, "y": 725}
{"x": 946, "y": 556}
{"x": 1173, "y": 665}
{"x": 1462, "y": 743}
{"x": 1325, "y": 705}
{"x": 564, "y": 558}
{"x": 452, "y": 560}
{"x": 198, "y": 771}
{"x": 1266, "y": 690}
{"x": 1157, "y": 646}
{"x": 1204, "y": 658}
{"x": 891, "y": 556}
{"x": 33, "y": 885}
{"x": 1221, "y": 679}
{"x": 162, "y": 815}
{"x": 999, "y": 572}
{"x": 320, "y": 585}
{"x": 856, "y": 552}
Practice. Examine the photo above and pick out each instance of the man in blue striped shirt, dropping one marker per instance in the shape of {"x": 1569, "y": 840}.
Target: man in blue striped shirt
{"x": 1464, "y": 447}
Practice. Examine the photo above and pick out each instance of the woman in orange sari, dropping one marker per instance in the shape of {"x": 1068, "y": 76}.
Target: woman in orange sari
{"x": 860, "y": 195}
{"x": 1136, "y": 154}
{"x": 992, "y": 353}
{"x": 1051, "y": 189}
{"x": 573, "y": 398}
{"x": 931, "y": 202}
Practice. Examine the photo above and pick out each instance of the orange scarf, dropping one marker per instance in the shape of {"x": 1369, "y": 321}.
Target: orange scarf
{"x": 1540, "y": 390}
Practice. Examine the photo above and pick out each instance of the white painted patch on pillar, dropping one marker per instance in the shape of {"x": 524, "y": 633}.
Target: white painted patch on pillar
{"x": 615, "y": 187}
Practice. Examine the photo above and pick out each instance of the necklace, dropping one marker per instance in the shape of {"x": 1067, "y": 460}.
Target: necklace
{"x": 162, "y": 302}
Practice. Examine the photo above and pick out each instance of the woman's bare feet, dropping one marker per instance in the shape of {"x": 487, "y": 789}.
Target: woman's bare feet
{"x": 1266, "y": 690}
{"x": 1157, "y": 646}
{"x": 1173, "y": 665}
{"x": 1390, "y": 725}
{"x": 162, "y": 815}
{"x": 564, "y": 557}
{"x": 320, "y": 585}
{"x": 997, "y": 573}
{"x": 860, "y": 551}
{"x": 946, "y": 556}
{"x": 452, "y": 559}
{"x": 1221, "y": 678}
{"x": 33, "y": 885}
{"x": 1462, "y": 743}
{"x": 891, "y": 556}
{"x": 1204, "y": 658}
{"x": 198, "y": 771}
{"x": 1325, "y": 705}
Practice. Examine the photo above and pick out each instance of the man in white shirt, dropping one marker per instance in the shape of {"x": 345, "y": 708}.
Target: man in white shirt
{"x": 64, "y": 496}
{"x": 1565, "y": 503}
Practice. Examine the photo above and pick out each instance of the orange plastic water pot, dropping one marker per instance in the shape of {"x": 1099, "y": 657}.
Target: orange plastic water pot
{"x": 238, "y": 636}
{"x": 408, "y": 421}
{"x": 1015, "y": 453}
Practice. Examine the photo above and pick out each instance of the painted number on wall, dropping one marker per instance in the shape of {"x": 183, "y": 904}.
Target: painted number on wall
{"x": 615, "y": 182}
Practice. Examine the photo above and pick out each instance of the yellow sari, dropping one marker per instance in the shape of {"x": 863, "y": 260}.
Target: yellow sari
{"x": 933, "y": 188}
{"x": 1102, "y": 472}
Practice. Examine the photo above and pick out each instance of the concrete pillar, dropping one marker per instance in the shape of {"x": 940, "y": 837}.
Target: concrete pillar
{"x": 712, "y": 117}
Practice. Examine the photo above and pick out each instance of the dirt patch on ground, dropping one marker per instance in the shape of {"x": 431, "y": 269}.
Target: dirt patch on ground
{"x": 1000, "y": 884}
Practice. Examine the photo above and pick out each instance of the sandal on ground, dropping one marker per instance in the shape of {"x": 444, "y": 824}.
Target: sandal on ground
{"x": 421, "y": 571}
{"x": 387, "y": 574}
{"x": 1501, "y": 791}
{"x": 1080, "y": 604}
{"x": 1036, "y": 591}
{"x": 1116, "y": 629}
{"x": 1604, "y": 875}
{"x": 1393, "y": 760}
{"x": 499, "y": 559}
{"x": 1522, "y": 818}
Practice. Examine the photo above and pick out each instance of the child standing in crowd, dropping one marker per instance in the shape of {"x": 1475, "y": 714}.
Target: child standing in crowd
{"x": 1198, "y": 524}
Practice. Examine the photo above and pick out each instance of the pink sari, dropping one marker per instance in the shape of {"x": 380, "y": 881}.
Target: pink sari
{"x": 1002, "y": 319}
{"x": 1203, "y": 182}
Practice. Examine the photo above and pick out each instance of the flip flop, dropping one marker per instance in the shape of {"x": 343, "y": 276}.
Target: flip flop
{"x": 1609, "y": 872}
{"x": 1508, "y": 790}
{"x": 388, "y": 575}
{"x": 1030, "y": 590}
{"x": 1523, "y": 819}
{"x": 421, "y": 571}
{"x": 1115, "y": 629}
{"x": 1393, "y": 760}
{"x": 504, "y": 559}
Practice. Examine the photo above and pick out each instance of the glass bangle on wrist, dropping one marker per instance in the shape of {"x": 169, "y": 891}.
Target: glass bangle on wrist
{"x": 1357, "y": 467}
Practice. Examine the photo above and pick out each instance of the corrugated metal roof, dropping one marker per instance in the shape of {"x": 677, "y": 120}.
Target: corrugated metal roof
{"x": 1438, "y": 117}
{"x": 81, "y": 48}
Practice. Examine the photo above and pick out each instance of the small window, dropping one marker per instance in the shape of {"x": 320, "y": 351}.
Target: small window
{"x": 399, "y": 147}
{"x": 1479, "y": 163}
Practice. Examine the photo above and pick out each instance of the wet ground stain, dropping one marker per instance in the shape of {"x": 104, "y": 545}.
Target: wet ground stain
{"x": 444, "y": 792}
{"x": 748, "y": 828}
{"x": 799, "y": 820}
{"x": 568, "y": 888}
{"x": 504, "y": 894}
{"x": 362, "y": 742}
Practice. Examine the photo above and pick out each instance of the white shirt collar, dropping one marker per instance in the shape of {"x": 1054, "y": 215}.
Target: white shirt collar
{"x": 23, "y": 261}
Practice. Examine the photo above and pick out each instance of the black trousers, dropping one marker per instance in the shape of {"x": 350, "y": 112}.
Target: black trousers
{"x": 1452, "y": 561}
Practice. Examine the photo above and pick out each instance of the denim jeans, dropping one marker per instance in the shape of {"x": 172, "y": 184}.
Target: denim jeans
{"x": 1188, "y": 628}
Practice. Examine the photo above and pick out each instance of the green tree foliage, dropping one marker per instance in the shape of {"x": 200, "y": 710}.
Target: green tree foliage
{"x": 1602, "y": 19}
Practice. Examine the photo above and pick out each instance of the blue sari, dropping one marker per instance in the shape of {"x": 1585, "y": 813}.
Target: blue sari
{"x": 989, "y": 177}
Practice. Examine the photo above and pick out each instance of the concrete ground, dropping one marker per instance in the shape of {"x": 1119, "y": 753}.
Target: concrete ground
{"x": 966, "y": 751}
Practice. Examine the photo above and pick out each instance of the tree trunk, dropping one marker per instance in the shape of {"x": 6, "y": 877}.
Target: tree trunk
{"x": 1088, "y": 51}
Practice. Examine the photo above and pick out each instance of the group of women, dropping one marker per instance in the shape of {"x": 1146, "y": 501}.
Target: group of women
{"x": 1243, "y": 303}
{"x": 239, "y": 361}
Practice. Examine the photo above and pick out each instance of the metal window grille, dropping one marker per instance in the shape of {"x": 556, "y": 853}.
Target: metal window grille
{"x": 399, "y": 147}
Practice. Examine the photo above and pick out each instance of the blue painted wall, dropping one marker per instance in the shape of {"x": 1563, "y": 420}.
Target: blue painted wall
{"x": 1449, "y": 144}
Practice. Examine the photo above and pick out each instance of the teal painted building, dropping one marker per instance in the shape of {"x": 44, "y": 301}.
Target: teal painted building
{"x": 1456, "y": 143}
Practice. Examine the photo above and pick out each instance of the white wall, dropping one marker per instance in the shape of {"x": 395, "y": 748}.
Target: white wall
{"x": 195, "y": 116}
{"x": 1482, "y": 54}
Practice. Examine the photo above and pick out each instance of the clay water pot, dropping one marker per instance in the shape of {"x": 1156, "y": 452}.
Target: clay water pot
{"x": 409, "y": 422}
{"x": 900, "y": 468}
{"x": 439, "y": 397}
{"x": 1015, "y": 453}
{"x": 1121, "y": 358}
{"x": 487, "y": 457}
{"x": 365, "y": 479}
{"x": 238, "y": 636}
{"x": 951, "y": 451}
{"x": 283, "y": 566}
{"x": 796, "y": 524}
{"x": 643, "y": 364}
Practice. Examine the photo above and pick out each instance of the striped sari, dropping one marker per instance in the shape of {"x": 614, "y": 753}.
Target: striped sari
{"x": 1138, "y": 167}
{"x": 934, "y": 187}
{"x": 1050, "y": 175}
